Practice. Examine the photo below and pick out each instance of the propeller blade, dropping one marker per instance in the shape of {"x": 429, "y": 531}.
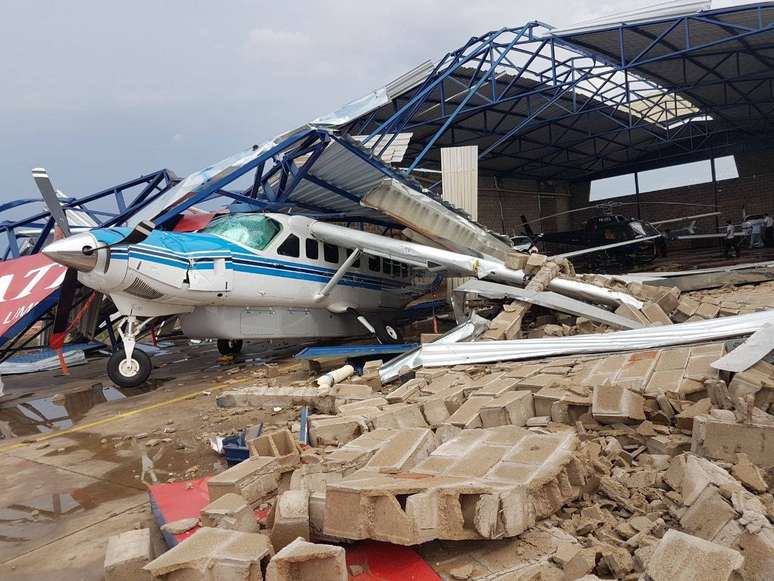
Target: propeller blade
{"x": 40, "y": 175}
{"x": 70, "y": 286}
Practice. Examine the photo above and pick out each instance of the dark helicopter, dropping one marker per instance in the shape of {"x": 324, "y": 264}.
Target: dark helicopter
{"x": 611, "y": 240}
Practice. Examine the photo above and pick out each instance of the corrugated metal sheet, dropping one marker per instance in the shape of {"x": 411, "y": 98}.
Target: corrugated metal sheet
{"x": 432, "y": 355}
{"x": 459, "y": 175}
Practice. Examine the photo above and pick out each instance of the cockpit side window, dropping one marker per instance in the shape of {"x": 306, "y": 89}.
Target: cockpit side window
{"x": 253, "y": 230}
{"x": 290, "y": 246}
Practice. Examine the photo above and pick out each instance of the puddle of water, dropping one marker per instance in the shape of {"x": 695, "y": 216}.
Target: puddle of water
{"x": 60, "y": 411}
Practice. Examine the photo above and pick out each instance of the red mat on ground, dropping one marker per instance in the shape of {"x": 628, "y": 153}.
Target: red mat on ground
{"x": 380, "y": 561}
{"x": 386, "y": 562}
{"x": 179, "y": 500}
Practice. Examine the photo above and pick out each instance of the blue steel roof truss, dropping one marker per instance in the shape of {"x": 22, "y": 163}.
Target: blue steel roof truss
{"x": 558, "y": 106}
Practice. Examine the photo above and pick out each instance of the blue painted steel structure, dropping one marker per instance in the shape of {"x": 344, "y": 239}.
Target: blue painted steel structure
{"x": 122, "y": 200}
{"x": 592, "y": 103}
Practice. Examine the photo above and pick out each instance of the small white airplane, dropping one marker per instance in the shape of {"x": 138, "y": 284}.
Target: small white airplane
{"x": 264, "y": 275}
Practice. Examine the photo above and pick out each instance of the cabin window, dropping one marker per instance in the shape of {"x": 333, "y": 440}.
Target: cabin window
{"x": 356, "y": 264}
{"x": 404, "y": 271}
{"x": 253, "y": 230}
{"x": 312, "y": 249}
{"x": 387, "y": 266}
{"x": 290, "y": 247}
{"x": 374, "y": 262}
{"x": 331, "y": 253}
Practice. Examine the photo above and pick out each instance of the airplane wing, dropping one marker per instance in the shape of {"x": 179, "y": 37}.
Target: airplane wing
{"x": 453, "y": 263}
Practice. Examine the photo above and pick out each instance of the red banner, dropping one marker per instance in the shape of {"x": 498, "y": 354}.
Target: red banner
{"x": 26, "y": 283}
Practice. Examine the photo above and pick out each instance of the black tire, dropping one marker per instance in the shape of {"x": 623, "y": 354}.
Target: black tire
{"x": 140, "y": 371}
{"x": 230, "y": 346}
{"x": 387, "y": 333}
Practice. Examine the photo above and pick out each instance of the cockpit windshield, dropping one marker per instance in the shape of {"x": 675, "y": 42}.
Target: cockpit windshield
{"x": 253, "y": 230}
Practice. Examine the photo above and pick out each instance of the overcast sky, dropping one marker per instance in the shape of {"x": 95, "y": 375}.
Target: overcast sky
{"x": 99, "y": 92}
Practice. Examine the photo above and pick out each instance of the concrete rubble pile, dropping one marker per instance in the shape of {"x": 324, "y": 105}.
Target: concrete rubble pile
{"x": 644, "y": 465}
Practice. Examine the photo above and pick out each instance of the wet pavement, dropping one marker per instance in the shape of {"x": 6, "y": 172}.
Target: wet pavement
{"x": 77, "y": 454}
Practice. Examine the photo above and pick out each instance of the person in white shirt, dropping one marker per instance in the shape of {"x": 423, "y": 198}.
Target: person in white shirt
{"x": 729, "y": 240}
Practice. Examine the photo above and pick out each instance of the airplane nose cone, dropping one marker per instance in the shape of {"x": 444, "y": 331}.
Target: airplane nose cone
{"x": 75, "y": 251}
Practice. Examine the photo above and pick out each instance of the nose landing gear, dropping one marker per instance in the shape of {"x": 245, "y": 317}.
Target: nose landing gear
{"x": 129, "y": 367}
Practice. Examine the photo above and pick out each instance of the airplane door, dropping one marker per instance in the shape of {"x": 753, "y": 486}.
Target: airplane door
{"x": 207, "y": 274}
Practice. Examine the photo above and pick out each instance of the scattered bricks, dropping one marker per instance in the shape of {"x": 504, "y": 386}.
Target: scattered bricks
{"x": 612, "y": 403}
{"x": 686, "y": 309}
{"x": 231, "y": 512}
{"x": 512, "y": 408}
{"x": 443, "y": 382}
{"x": 545, "y": 398}
{"x": 672, "y": 359}
{"x": 467, "y": 416}
{"x": 535, "y": 262}
{"x": 289, "y": 518}
{"x": 684, "y": 420}
{"x": 664, "y": 382}
{"x": 253, "y": 479}
{"x": 278, "y": 444}
{"x": 351, "y": 409}
{"x": 721, "y": 440}
{"x": 709, "y": 514}
{"x": 631, "y": 313}
{"x": 211, "y": 554}
{"x": 352, "y": 390}
{"x": 303, "y": 561}
{"x": 126, "y": 556}
{"x": 319, "y": 399}
{"x": 655, "y": 314}
{"x": 707, "y": 311}
{"x": 400, "y": 416}
{"x": 435, "y": 411}
{"x": 499, "y": 387}
{"x": 681, "y": 557}
{"x": 668, "y": 299}
{"x": 406, "y": 392}
{"x": 489, "y": 483}
{"x": 335, "y": 430}
{"x": 669, "y": 444}
{"x": 516, "y": 261}
{"x": 402, "y": 450}
{"x": 749, "y": 474}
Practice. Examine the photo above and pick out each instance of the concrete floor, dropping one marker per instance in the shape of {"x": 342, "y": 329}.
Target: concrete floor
{"x": 66, "y": 491}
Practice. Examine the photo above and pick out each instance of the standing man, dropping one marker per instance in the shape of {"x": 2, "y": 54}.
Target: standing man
{"x": 768, "y": 237}
{"x": 729, "y": 241}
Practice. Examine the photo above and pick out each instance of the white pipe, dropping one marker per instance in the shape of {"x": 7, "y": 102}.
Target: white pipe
{"x": 336, "y": 376}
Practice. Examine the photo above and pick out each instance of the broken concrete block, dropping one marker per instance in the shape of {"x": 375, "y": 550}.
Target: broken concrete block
{"x": 363, "y": 407}
{"x": 443, "y": 381}
{"x": 707, "y": 311}
{"x": 400, "y": 416}
{"x": 317, "y": 398}
{"x": 253, "y": 479}
{"x": 335, "y": 430}
{"x": 655, "y": 314}
{"x": 681, "y": 557}
{"x": 535, "y": 262}
{"x": 289, "y": 518}
{"x": 402, "y": 450}
{"x": 512, "y": 408}
{"x": 435, "y": 411}
{"x": 212, "y": 554}
{"x": 498, "y": 387}
{"x": 631, "y": 313}
{"x": 127, "y": 554}
{"x": 406, "y": 392}
{"x": 346, "y": 390}
{"x": 749, "y": 474}
{"x": 758, "y": 550}
{"x": 467, "y": 416}
{"x": 279, "y": 444}
{"x": 708, "y": 515}
{"x": 488, "y": 483}
{"x": 303, "y": 561}
{"x": 685, "y": 309}
{"x": 231, "y": 512}
{"x": 612, "y": 403}
{"x": 724, "y": 440}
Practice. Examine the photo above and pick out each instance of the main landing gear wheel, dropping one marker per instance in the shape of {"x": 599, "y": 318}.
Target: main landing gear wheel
{"x": 230, "y": 346}
{"x": 131, "y": 373}
{"x": 387, "y": 333}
